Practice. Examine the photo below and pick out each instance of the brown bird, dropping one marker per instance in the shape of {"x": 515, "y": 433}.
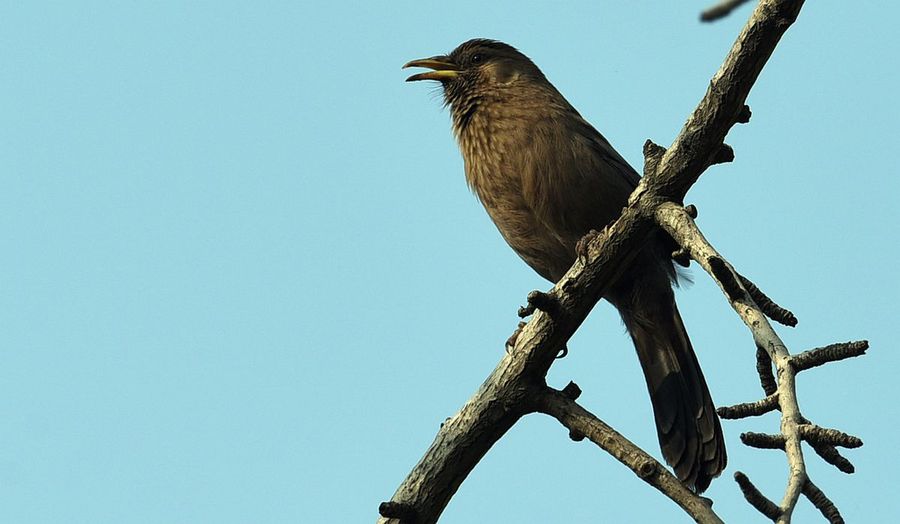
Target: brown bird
{"x": 546, "y": 177}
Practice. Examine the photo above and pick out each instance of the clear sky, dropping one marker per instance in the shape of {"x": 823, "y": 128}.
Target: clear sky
{"x": 243, "y": 280}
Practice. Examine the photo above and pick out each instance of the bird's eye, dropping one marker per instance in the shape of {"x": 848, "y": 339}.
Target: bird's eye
{"x": 477, "y": 59}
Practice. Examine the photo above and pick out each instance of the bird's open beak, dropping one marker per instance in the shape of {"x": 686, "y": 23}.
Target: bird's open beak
{"x": 443, "y": 69}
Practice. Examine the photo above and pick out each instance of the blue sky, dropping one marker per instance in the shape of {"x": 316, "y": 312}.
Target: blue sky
{"x": 243, "y": 279}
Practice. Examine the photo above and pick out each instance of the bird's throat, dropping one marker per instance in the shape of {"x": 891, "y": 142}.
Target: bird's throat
{"x": 464, "y": 112}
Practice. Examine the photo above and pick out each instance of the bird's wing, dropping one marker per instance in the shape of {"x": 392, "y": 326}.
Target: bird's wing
{"x": 605, "y": 155}
{"x": 575, "y": 181}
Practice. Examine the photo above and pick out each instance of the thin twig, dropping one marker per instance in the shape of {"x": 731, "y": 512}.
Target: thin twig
{"x": 770, "y": 308}
{"x": 764, "y": 370}
{"x": 831, "y": 455}
{"x": 763, "y": 440}
{"x": 750, "y": 409}
{"x": 720, "y": 10}
{"x": 832, "y": 437}
{"x": 822, "y": 503}
{"x": 832, "y": 353}
{"x": 582, "y": 422}
{"x": 756, "y": 498}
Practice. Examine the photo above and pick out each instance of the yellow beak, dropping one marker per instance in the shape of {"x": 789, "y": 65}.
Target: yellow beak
{"x": 443, "y": 69}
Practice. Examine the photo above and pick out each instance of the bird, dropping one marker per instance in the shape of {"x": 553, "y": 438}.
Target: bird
{"x": 546, "y": 178}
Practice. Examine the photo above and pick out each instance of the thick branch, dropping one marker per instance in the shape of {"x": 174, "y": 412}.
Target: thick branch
{"x": 705, "y": 130}
{"x": 461, "y": 442}
{"x": 501, "y": 400}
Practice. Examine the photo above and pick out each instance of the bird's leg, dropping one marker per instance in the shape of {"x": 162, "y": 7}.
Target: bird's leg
{"x": 581, "y": 248}
{"x": 511, "y": 341}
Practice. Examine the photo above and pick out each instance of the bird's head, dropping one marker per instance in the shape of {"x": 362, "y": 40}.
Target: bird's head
{"x": 476, "y": 68}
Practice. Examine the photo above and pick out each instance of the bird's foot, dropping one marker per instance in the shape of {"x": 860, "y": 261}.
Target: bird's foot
{"x": 511, "y": 341}
{"x": 581, "y": 248}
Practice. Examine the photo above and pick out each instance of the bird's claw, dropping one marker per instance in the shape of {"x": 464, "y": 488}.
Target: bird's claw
{"x": 581, "y": 248}
{"x": 511, "y": 341}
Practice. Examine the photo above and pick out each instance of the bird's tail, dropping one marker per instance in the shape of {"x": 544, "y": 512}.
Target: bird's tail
{"x": 686, "y": 422}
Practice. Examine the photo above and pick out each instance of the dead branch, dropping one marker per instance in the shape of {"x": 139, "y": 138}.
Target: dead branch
{"x": 833, "y": 353}
{"x": 822, "y": 503}
{"x": 581, "y": 422}
{"x": 781, "y": 394}
{"x": 750, "y": 409}
{"x": 756, "y": 498}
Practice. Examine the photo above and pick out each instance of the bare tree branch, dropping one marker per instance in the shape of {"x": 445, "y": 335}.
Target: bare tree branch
{"x": 822, "y": 503}
{"x": 722, "y": 105}
{"x": 750, "y": 409}
{"x": 770, "y": 308}
{"x": 582, "y": 422}
{"x": 781, "y": 395}
{"x": 756, "y": 498}
{"x": 831, "y": 437}
{"x": 831, "y": 455}
{"x": 681, "y": 227}
{"x": 834, "y": 352}
{"x": 763, "y": 440}
{"x": 764, "y": 370}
